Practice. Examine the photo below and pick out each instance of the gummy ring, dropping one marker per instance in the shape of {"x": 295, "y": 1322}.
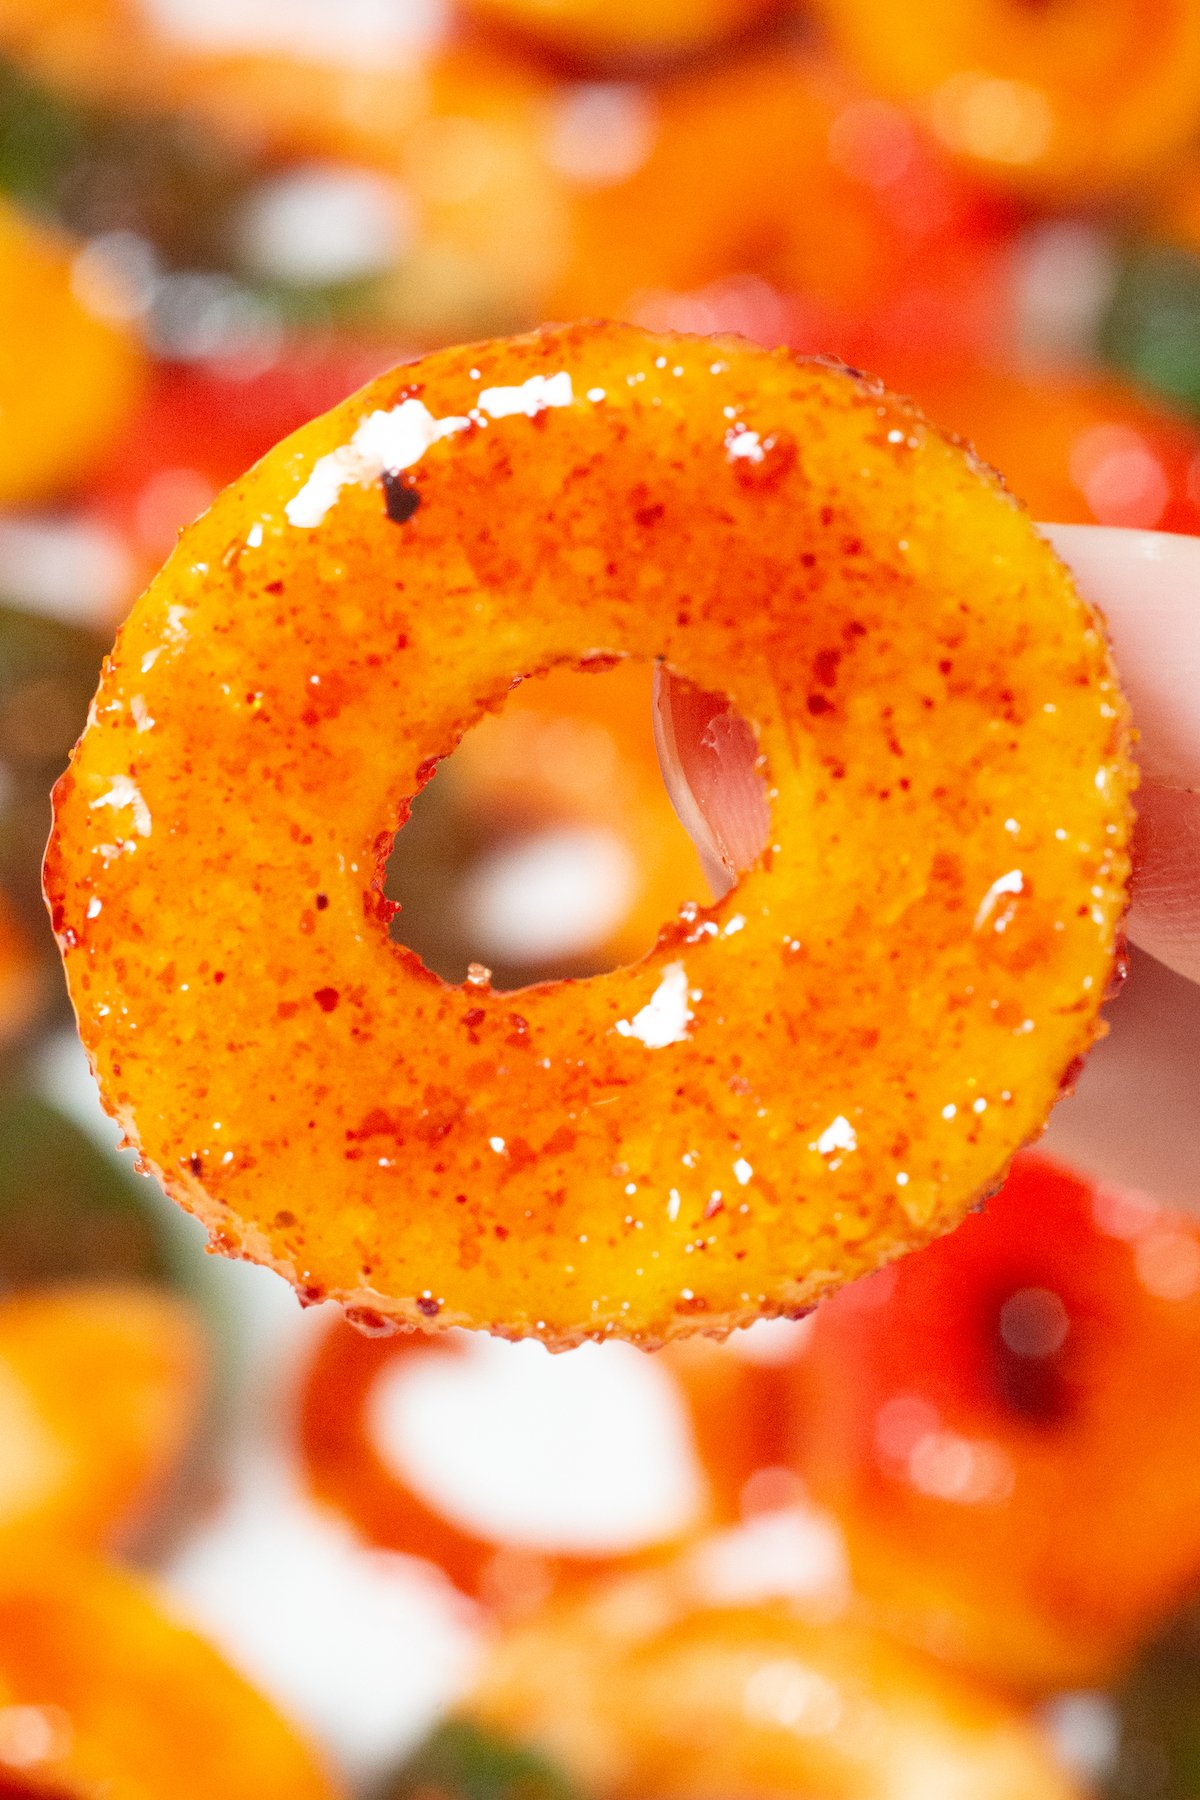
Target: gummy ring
{"x": 739, "y": 1413}
{"x": 601, "y": 31}
{"x": 118, "y": 1699}
{"x": 960, "y": 1417}
{"x": 1062, "y": 101}
{"x": 20, "y": 977}
{"x": 708, "y": 216}
{"x": 644, "y": 1687}
{"x": 68, "y": 379}
{"x": 815, "y": 1075}
{"x": 565, "y": 779}
{"x": 101, "y": 1385}
{"x": 452, "y": 138}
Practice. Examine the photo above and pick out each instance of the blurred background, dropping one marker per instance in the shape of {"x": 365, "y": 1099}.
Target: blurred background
{"x": 943, "y": 1539}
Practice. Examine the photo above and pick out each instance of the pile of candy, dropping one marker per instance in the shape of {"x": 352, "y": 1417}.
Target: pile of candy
{"x": 215, "y": 223}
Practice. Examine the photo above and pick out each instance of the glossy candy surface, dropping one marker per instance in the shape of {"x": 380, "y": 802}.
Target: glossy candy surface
{"x": 797, "y": 1084}
{"x": 1005, "y": 1425}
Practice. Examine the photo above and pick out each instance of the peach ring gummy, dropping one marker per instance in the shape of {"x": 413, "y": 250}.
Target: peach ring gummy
{"x": 796, "y": 1084}
{"x": 1061, "y": 101}
{"x": 961, "y": 1422}
{"x": 737, "y": 1414}
{"x": 642, "y": 1687}
{"x": 68, "y": 380}
{"x": 121, "y": 1701}
{"x": 619, "y": 30}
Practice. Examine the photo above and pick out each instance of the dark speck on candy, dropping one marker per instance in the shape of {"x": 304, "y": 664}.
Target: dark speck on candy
{"x": 400, "y": 499}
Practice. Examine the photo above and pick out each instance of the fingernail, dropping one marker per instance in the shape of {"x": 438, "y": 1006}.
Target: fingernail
{"x": 707, "y": 754}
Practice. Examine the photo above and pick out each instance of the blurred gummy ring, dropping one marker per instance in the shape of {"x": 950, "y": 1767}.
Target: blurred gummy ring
{"x": 740, "y": 1414}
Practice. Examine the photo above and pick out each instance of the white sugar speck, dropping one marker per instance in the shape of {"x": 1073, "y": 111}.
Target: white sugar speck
{"x": 399, "y": 438}
{"x": 392, "y": 440}
{"x": 531, "y": 397}
{"x": 744, "y": 446}
{"x": 1012, "y": 883}
{"x": 122, "y": 793}
{"x": 840, "y": 1135}
{"x": 666, "y": 1015}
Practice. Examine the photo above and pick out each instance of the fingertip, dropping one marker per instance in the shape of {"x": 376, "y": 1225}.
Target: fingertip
{"x": 1165, "y": 915}
{"x": 1147, "y": 586}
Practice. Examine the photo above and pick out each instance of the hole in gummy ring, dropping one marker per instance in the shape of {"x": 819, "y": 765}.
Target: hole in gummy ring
{"x": 585, "y": 1454}
{"x": 1030, "y": 1328}
{"x": 547, "y": 846}
{"x": 1034, "y": 1322}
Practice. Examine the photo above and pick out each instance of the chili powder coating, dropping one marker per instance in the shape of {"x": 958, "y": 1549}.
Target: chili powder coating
{"x": 845, "y": 1051}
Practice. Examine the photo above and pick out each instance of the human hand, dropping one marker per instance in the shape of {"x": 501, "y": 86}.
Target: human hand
{"x": 1147, "y": 585}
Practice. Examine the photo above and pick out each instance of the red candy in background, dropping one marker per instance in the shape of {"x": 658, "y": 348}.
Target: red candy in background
{"x": 199, "y": 426}
{"x": 963, "y": 1411}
